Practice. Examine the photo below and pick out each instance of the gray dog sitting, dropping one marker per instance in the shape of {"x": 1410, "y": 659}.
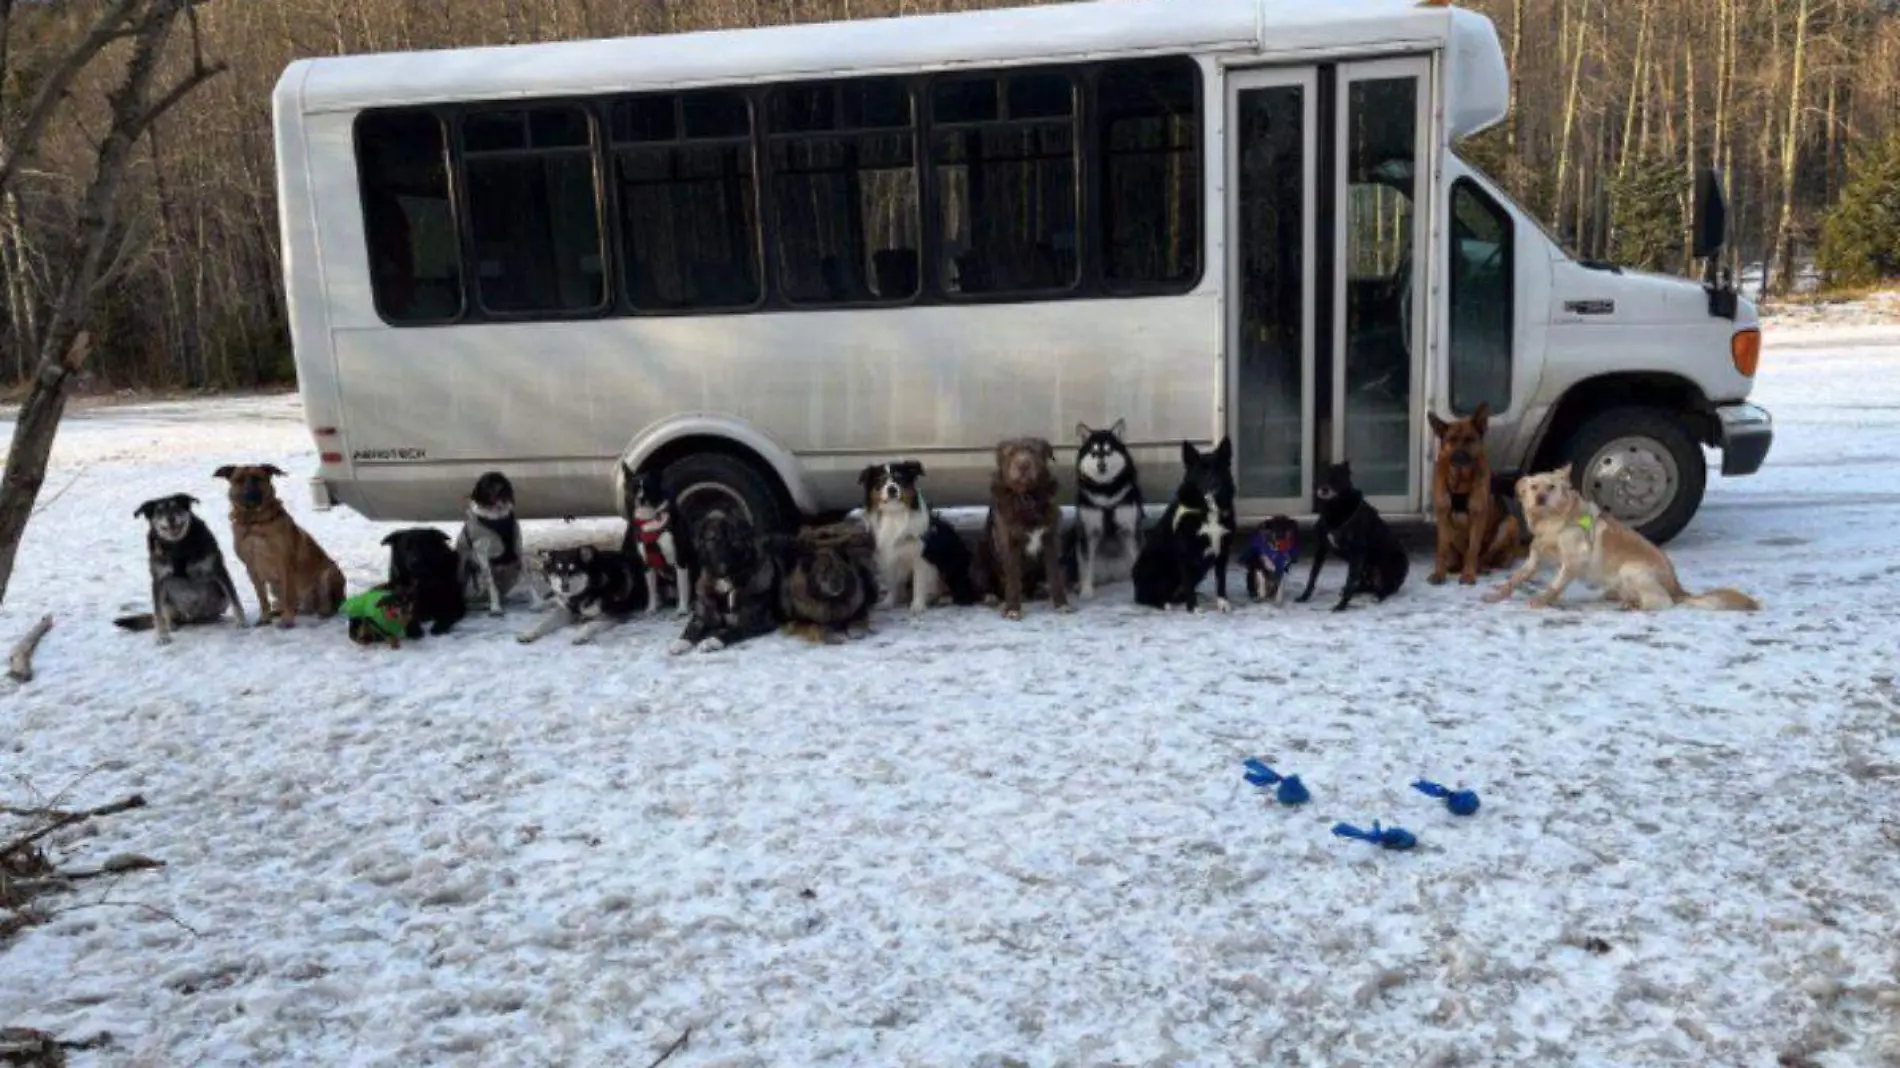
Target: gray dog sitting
{"x": 490, "y": 546}
{"x": 190, "y": 584}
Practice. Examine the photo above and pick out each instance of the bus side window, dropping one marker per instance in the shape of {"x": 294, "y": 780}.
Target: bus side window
{"x": 415, "y": 261}
{"x": 1148, "y": 134}
{"x": 689, "y": 222}
{"x": 1004, "y": 149}
{"x": 534, "y": 220}
{"x": 845, "y": 205}
{"x": 1482, "y": 271}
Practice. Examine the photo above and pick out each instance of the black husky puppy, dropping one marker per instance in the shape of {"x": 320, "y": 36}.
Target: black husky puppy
{"x": 597, "y": 586}
{"x": 1194, "y": 535}
{"x": 1375, "y": 561}
{"x": 736, "y": 593}
{"x": 428, "y": 575}
{"x": 190, "y": 584}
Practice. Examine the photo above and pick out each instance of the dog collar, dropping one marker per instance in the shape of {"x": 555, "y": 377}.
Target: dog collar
{"x": 1180, "y": 511}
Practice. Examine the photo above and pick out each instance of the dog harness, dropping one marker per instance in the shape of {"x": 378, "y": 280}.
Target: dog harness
{"x": 373, "y": 607}
{"x": 1279, "y": 553}
{"x": 651, "y": 530}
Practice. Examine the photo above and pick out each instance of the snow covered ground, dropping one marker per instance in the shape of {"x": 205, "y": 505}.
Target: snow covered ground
{"x": 968, "y": 843}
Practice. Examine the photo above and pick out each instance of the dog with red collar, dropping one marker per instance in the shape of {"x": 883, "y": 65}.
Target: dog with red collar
{"x": 658, "y": 537}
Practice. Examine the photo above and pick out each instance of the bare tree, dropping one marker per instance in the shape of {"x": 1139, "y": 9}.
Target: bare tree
{"x": 94, "y": 259}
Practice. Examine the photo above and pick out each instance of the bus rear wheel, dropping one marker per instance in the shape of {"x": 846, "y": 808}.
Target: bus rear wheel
{"x": 708, "y": 481}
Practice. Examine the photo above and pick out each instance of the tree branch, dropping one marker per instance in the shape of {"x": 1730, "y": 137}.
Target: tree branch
{"x": 177, "y": 92}
{"x": 22, "y": 145}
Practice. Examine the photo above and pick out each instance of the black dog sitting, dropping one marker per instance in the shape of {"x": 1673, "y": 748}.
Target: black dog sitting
{"x": 190, "y": 584}
{"x": 1193, "y": 536}
{"x": 1375, "y": 561}
{"x": 944, "y": 550}
{"x": 735, "y": 595}
{"x": 426, "y": 571}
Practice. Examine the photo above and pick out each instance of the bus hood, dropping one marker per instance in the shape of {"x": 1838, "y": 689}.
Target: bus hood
{"x": 1624, "y": 297}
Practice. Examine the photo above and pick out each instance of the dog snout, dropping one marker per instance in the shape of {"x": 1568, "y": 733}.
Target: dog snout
{"x": 891, "y": 491}
{"x": 1461, "y": 458}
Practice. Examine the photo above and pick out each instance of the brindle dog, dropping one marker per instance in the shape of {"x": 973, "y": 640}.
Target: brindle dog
{"x": 1476, "y": 530}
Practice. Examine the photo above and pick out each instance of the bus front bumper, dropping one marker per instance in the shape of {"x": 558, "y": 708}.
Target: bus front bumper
{"x": 1747, "y": 433}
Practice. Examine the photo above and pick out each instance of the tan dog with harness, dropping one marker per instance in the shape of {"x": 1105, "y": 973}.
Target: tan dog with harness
{"x": 1603, "y": 553}
{"x": 283, "y": 559}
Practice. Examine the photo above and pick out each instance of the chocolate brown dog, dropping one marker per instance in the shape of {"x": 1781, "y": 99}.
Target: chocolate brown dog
{"x": 1023, "y": 527}
{"x": 282, "y": 559}
{"x": 1476, "y": 530}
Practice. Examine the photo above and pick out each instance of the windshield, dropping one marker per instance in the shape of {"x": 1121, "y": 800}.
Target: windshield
{"x": 1492, "y": 186}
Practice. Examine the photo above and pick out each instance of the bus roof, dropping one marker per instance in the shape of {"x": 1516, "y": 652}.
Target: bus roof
{"x": 1067, "y": 32}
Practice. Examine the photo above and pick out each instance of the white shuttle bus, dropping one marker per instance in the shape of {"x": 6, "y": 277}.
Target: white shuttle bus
{"x": 759, "y": 260}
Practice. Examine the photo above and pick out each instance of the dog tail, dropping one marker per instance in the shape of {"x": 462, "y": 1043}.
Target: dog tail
{"x": 1722, "y": 600}
{"x": 142, "y": 621}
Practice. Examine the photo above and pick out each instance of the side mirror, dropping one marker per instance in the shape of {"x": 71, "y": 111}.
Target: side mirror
{"x": 1711, "y": 215}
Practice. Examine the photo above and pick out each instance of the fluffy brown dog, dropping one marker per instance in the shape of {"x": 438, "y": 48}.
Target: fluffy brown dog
{"x": 281, "y": 558}
{"x": 1476, "y": 530}
{"x": 828, "y": 583}
{"x": 1023, "y": 527}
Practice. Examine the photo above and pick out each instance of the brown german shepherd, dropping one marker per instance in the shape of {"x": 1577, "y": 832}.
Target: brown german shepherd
{"x": 1476, "y": 530}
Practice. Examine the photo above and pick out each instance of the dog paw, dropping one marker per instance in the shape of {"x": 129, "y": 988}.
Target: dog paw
{"x": 1468, "y": 580}
{"x": 710, "y": 645}
{"x": 495, "y": 613}
{"x": 1066, "y": 609}
{"x": 583, "y": 639}
{"x": 678, "y": 646}
{"x": 1542, "y": 600}
{"x": 525, "y": 639}
{"x": 1222, "y": 605}
{"x": 164, "y": 639}
{"x": 1502, "y": 593}
{"x": 1436, "y": 578}
{"x": 286, "y": 624}
{"x": 1087, "y": 591}
{"x": 917, "y": 608}
{"x": 1013, "y": 614}
{"x": 1339, "y": 608}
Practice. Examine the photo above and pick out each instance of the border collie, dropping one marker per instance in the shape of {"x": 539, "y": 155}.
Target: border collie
{"x": 900, "y": 522}
{"x": 1193, "y": 536}
{"x": 492, "y": 561}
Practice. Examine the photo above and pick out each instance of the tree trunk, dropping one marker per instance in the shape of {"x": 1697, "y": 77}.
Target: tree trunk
{"x": 134, "y": 108}
{"x": 1570, "y": 123}
{"x": 1790, "y": 154}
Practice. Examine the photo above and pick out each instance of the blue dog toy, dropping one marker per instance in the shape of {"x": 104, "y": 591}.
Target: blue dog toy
{"x": 1383, "y": 837}
{"x": 1461, "y": 802}
{"x": 1291, "y": 791}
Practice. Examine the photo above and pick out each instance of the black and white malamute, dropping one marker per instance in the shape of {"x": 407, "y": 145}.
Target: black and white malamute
{"x": 1107, "y": 507}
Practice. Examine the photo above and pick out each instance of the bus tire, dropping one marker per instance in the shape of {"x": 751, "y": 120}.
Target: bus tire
{"x": 1643, "y": 466}
{"x": 703, "y": 481}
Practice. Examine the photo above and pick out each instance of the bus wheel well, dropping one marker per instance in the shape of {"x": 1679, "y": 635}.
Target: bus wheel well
{"x": 1667, "y": 392}
{"x": 701, "y": 444}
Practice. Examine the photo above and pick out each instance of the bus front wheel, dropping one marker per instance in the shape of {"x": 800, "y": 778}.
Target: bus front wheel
{"x": 1641, "y": 465}
{"x": 708, "y": 481}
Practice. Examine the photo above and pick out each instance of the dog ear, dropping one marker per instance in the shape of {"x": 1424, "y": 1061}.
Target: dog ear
{"x": 914, "y": 467}
{"x": 441, "y": 535}
{"x": 1189, "y": 454}
{"x": 1082, "y": 431}
{"x": 1439, "y": 426}
{"x": 1482, "y": 417}
{"x": 1002, "y": 454}
{"x": 390, "y": 538}
{"x": 1223, "y": 453}
{"x": 224, "y": 472}
{"x": 1048, "y": 452}
{"x": 1564, "y": 471}
{"x": 587, "y": 554}
{"x": 865, "y": 476}
{"x": 189, "y": 499}
{"x": 145, "y": 510}
{"x": 272, "y": 470}
{"x": 1120, "y": 429}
